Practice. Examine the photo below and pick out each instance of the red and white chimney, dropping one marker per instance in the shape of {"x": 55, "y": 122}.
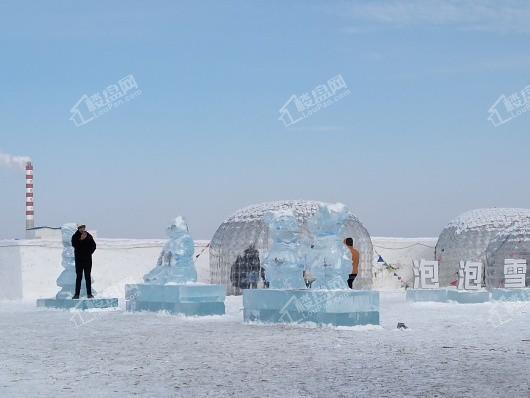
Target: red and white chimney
{"x": 30, "y": 210}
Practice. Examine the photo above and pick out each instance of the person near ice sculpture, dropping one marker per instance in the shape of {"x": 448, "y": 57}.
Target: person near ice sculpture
{"x": 355, "y": 261}
{"x": 84, "y": 246}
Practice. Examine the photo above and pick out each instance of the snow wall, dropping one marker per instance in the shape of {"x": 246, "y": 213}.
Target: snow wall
{"x": 29, "y": 268}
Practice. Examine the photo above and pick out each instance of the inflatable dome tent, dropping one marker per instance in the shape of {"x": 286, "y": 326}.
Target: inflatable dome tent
{"x": 512, "y": 243}
{"x": 241, "y": 243}
{"x": 468, "y": 236}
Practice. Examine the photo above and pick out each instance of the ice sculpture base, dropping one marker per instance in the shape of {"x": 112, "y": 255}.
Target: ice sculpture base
{"x": 323, "y": 307}
{"x": 427, "y": 295}
{"x": 81, "y": 304}
{"x": 186, "y": 299}
{"x": 510, "y": 294}
{"x": 468, "y": 296}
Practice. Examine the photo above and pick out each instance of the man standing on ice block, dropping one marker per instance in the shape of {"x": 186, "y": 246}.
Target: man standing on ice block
{"x": 84, "y": 245}
{"x": 355, "y": 261}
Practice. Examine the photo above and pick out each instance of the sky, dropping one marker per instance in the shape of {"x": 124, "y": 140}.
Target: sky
{"x": 407, "y": 147}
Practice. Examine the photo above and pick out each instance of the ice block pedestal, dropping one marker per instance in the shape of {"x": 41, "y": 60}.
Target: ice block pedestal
{"x": 333, "y": 307}
{"x": 82, "y": 304}
{"x": 468, "y": 296}
{"x": 186, "y": 299}
{"x": 426, "y": 295}
{"x": 510, "y": 294}
{"x": 172, "y": 284}
{"x": 66, "y": 281}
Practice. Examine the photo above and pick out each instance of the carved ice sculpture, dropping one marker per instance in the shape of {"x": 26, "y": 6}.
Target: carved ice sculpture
{"x": 283, "y": 265}
{"x": 172, "y": 285}
{"x": 329, "y": 261}
{"x": 175, "y": 264}
{"x": 298, "y": 250}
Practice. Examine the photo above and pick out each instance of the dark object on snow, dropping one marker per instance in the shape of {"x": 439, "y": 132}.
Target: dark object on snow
{"x": 351, "y": 278}
{"x": 83, "y": 250}
{"x": 401, "y": 326}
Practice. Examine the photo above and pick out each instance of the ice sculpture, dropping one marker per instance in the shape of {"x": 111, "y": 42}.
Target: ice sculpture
{"x": 467, "y": 237}
{"x": 175, "y": 263}
{"x": 247, "y": 227}
{"x": 283, "y": 265}
{"x": 66, "y": 281}
{"x": 318, "y": 248}
{"x": 172, "y": 285}
{"x": 329, "y": 261}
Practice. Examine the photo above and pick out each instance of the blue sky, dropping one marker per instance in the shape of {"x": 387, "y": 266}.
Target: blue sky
{"x": 407, "y": 150}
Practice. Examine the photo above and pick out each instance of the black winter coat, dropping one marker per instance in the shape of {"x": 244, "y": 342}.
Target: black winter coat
{"x": 83, "y": 249}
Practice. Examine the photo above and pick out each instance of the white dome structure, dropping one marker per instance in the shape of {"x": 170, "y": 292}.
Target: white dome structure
{"x": 241, "y": 243}
{"x": 467, "y": 237}
{"x": 512, "y": 243}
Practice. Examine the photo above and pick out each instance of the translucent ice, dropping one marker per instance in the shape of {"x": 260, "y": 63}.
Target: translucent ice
{"x": 175, "y": 264}
{"x": 334, "y": 307}
{"x": 283, "y": 265}
{"x": 329, "y": 260}
{"x": 316, "y": 249}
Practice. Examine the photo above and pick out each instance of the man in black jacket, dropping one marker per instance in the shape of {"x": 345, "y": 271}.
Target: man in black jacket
{"x": 84, "y": 245}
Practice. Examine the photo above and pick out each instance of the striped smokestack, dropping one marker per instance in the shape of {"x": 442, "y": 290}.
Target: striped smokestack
{"x": 30, "y": 210}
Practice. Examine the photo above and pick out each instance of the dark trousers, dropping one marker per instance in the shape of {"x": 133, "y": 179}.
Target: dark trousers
{"x": 351, "y": 278}
{"x": 80, "y": 268}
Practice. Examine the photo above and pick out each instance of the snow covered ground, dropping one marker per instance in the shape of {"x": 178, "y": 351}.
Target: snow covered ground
{"x": 449, "y": 350}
